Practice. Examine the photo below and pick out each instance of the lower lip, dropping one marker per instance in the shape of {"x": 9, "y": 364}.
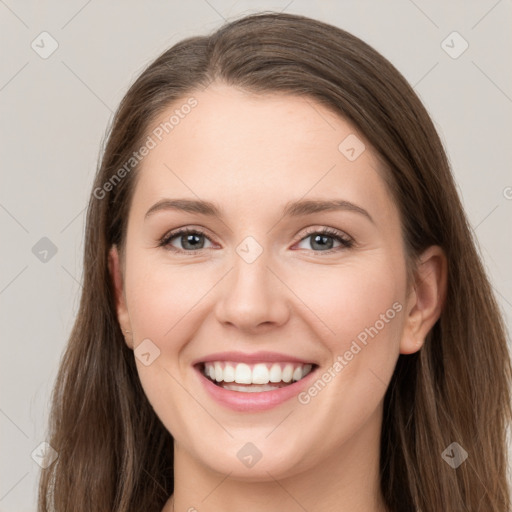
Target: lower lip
{"x": 261, "y": 401}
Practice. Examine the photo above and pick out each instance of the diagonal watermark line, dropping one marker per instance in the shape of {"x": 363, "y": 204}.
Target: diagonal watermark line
{"x": 485, "y": 218}
{"x": 72, "y": 220}
{"x": 424, "y": 76}
{"x": 424, "y": 14}
{"x": 287, "y": 492}
{"x": 157, "y": 484}
{"x": 332, "y": 332}
{"x": 13, "y": 279}
{"x": 216, "y": 487}
{"x": 71, "y": 275}
{"x": 14, "y": 423}
{"x": 469, "y": 463}
{"x": 13, "y": 486}
{"x": 280, "y": 423}
{"x": 215, "y": 10}
{"x": 110, "y": 110}
{"x": 197, "y": 401}
{"x": 14, "y": 76}
{"x": 311, "y": 105}
{"x": 384, "y": 384}
{"x": 75, "y": 15}
{"x": 198, "y": 301}
{"x": 501, "y": 295}
{"x": 287, "y": 5}
{"x": 13, "y": 13}
{"x": 492, "y": 81}
{"x": 14, "y": 218}
{"x": 485, "y": 15}
{"x": 210, "y": 82}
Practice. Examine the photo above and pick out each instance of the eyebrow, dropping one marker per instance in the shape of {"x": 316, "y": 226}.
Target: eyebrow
{"x": 292, "y": 209}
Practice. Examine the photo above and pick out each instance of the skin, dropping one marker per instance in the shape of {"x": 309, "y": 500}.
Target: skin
{"x": 251, "y": 155}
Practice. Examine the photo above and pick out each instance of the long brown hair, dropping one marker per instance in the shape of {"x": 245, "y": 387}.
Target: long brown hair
{"x": 116, "y": 455}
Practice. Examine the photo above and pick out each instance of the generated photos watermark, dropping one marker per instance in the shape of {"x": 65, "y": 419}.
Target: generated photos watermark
{"x": 151, "y": 142}
{"x": 343, "y": 360}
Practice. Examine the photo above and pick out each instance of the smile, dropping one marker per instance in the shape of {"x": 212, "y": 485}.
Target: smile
{"x": 254, "y": 378}
{"x": 253, "y": 382}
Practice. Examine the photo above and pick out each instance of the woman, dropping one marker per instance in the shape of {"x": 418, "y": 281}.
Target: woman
{"x": 283, "y": 307}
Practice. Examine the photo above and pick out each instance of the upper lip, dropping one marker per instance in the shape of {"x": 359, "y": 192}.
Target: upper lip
{"x": 254, "y": 357}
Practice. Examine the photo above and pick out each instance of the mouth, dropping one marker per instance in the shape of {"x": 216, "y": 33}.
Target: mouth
{"x": 254, "y": 386}
{"x": 253, "y": 382}
{"x": 260, "y": 377}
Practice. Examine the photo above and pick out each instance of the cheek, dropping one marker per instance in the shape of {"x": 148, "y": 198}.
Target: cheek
{"x": 363, "y": 308}
{"x": 348, "y": 301}
{"x": 160, "y": 297}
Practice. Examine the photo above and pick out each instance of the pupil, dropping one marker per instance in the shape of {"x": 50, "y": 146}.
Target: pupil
{"x": 190, "y": 239}
{"x": 322, "y": 238}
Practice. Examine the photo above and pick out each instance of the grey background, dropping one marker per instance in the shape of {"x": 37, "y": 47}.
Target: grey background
{"x": 54, "y": 113}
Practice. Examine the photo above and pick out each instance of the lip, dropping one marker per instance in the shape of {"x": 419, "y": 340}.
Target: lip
{"x": 255, "y": 357}
{"x": 253, "y": 402}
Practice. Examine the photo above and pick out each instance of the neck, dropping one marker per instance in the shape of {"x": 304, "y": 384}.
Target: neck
{"x": 347, "y": 481}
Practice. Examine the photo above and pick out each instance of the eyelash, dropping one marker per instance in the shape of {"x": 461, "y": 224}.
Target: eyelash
{"x": 346, "y": 242}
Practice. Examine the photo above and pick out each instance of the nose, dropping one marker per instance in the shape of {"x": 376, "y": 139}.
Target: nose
{"x": 254, "y": 297}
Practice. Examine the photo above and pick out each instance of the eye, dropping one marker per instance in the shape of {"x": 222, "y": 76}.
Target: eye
{"x": 322, "y": 239}
{"x": 192, "y": 240}
{"x": 189, "y": 238}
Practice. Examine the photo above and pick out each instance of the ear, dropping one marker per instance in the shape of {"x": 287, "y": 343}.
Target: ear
{"x": 114, "y": 266}
{"x": 426, "y": 299}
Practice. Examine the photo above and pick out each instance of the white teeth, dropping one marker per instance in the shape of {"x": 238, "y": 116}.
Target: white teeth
{"x": 218, "y": 372}
{"x": 275, "y": 373}
{"x": 229, "y": 373}
{"x": 243, "y": 374}
{"x": 287, "y": 373}
{"x": 297, "y": 374}
{"x": 255, "y": 388}
{"x": 259, "y": 374}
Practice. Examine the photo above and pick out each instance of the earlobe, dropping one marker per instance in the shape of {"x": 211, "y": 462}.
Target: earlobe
{"x": 116, "y": 274}
{"x": 426, "y": 299}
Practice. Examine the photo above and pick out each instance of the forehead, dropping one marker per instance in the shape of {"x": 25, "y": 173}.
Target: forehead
{"x": 255, "y": 151}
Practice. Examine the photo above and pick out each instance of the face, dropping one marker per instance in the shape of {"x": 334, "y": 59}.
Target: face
{"x": 297, "y": 314}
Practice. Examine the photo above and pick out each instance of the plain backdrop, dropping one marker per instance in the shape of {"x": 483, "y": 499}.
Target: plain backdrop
{"x": 55, "y": 110}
